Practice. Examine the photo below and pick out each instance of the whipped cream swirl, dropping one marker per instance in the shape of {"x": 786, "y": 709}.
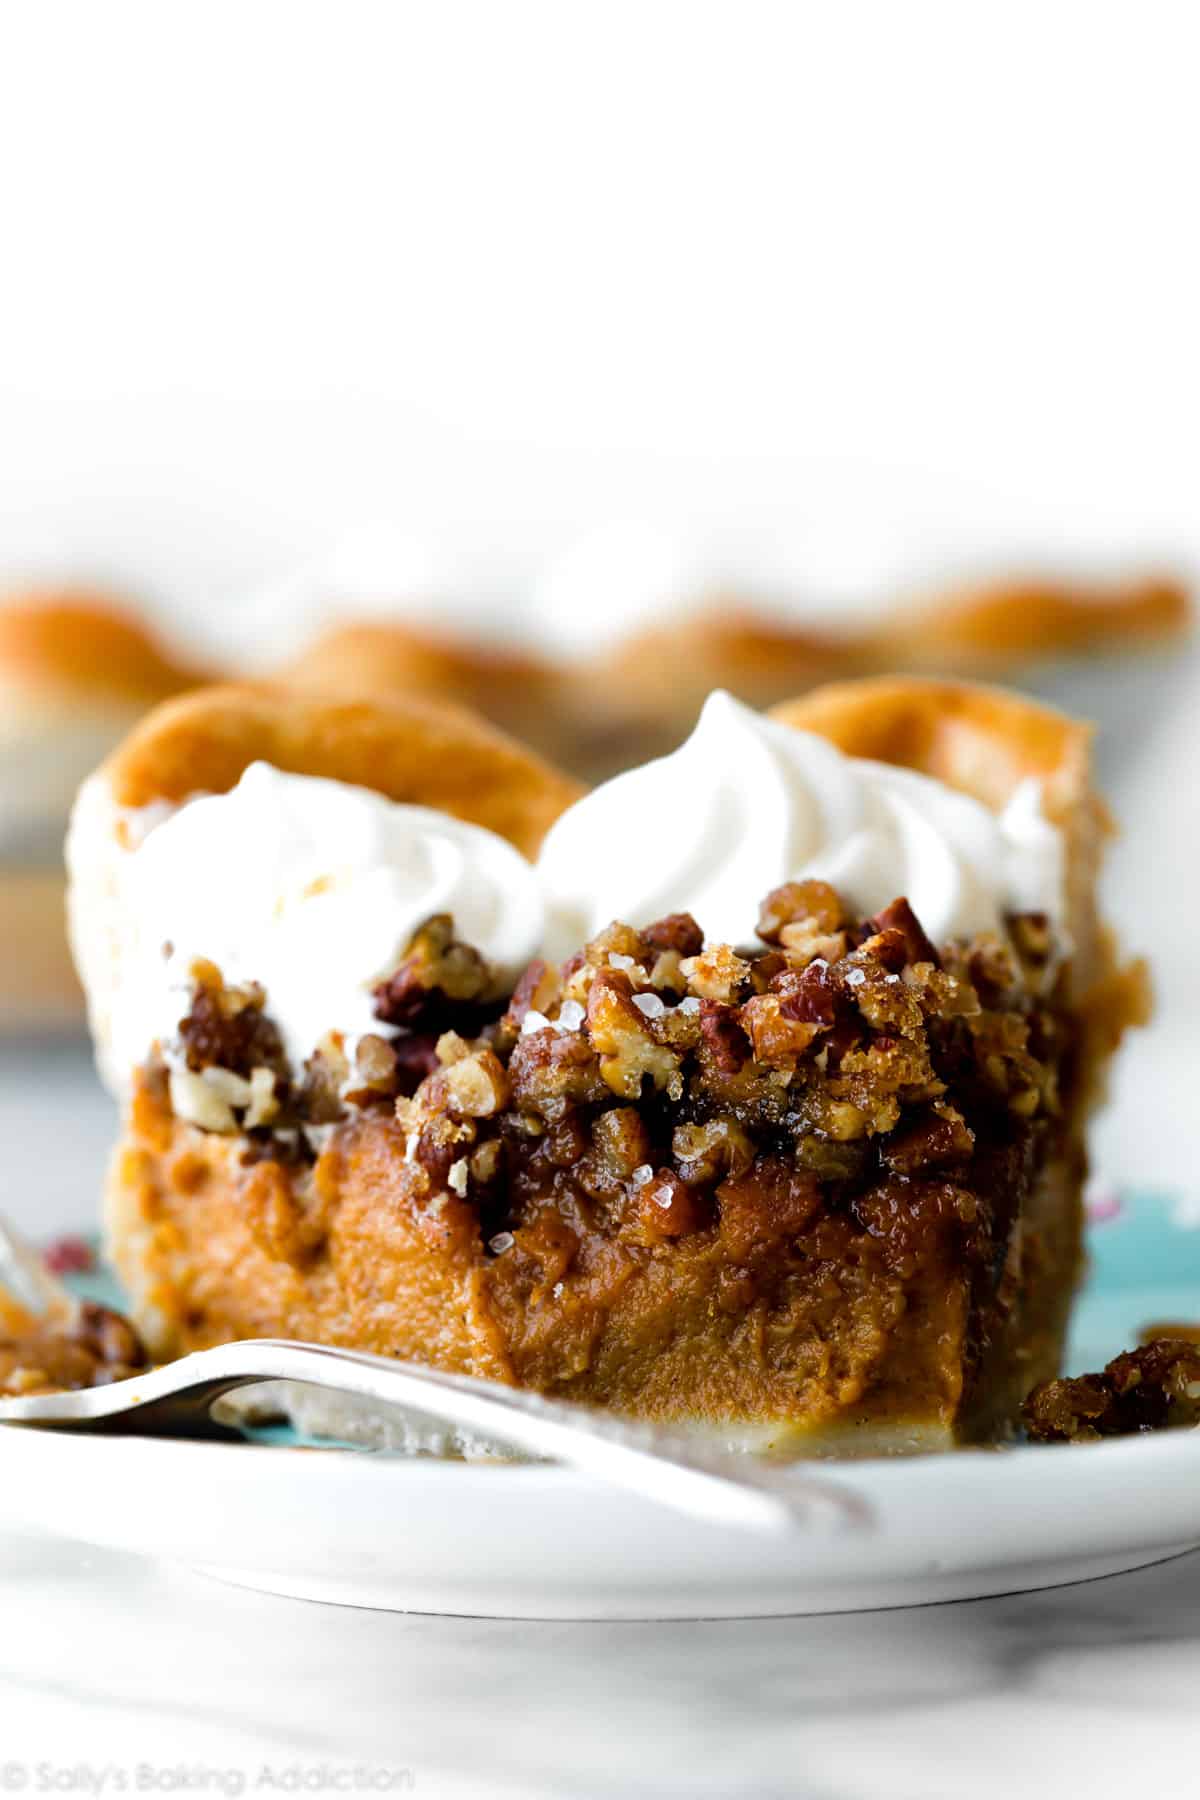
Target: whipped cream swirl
{"x": 314, "y": 888}
{"x": 747, "y": 803}
{"x": 311, "y": 888}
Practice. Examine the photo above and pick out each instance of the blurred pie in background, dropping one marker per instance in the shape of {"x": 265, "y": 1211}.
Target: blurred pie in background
{"x": 77, "y": 671}
{"x": 595, "y": 694}
{"x": 604, "y": 710}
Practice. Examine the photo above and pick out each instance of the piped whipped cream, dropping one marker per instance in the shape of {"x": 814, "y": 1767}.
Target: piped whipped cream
{"x": 314, "y": 888}
{"x": 311, "y": 888}
{"x": 748, "y": 803}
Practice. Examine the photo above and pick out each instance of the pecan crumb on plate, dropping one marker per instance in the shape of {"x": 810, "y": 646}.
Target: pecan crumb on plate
{"x": 1153, "y": 1388}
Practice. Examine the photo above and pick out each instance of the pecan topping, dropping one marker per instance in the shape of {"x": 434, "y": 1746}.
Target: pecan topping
{"x": 705, "y": 1153}
{"x": 537, "y": 991}
{"x": 845, "y": 1079}
{"x": 723, "y": 1034}
{"x": 620, "y": 1143}
{"x": 436, "y": 976}
{"x": 678, "y": 932}
{"x": 717, "y": 974}
{"x": 776, "y": 1037}
{"x": 903, "y": 939}
{"x": 91, "y": 1348}
{"x": 374, "y": 1079}
{"x": 1149, "y": 1389}
{"x": 940, "y": 1138}
{"x": 811, "y": 903}
{"x": 625, "y": 1037}
{"x": 477, "y": 1086}
{"x": 227, "y": 1028}
{"x": 550, "y": 1070}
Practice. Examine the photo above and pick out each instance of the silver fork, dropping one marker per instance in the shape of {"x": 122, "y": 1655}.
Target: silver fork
{"x": 176, "y": 1400}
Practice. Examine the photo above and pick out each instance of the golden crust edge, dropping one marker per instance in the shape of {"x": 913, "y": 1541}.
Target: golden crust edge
{"x": 421, "y": 752}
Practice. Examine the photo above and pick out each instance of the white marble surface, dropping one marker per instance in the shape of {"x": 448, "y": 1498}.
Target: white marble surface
{"x": 109, "y": 1663}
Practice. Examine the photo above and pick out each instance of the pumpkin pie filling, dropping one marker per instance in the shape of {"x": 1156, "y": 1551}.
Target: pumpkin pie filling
{"x": 815, "y": 1188}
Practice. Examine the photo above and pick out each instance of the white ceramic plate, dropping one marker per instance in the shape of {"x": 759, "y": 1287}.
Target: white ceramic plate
{"x": 538, "y": 1542}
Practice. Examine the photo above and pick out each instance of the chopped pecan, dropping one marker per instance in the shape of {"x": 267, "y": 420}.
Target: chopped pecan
{"x": 374, "y": 1080}
{"x": 565, "y": 1142}
{"x": 107, "y": 1335}
{"x": 1149, "y": 1389}
{"x": 666, "y": 973}
{"x": 487, "y": 1162}
{"x": 201, "y": 1102}
{"x": 904, "y": 939}
{"x": 441, "y": 1143}
{"x": 723, "y": 1035}
{"x": 550, "y": 1070}
{"x": 537, "y": 990}
{"x": 705, "y": 1153}
{"x": 882, "y": 998}
{"x": 718, "y": 973}
{"x": 811, "y": 903}
{"x": 620, "y": 1143}
{"x": 93, "y": 1347}
{"x": 625, "y": 1038}
{"x": 939, "y": 1138}
{"x": 227, "y": 1028}
{"x": 678, "y": 932}
{"x": 777, "y": 1039}
{"x": 810, "y": 996}
{"x": 618, "y": 946}
{"x": 993, "y": 969}
{"x": 436, "y": 975}
{"x": 319, "y": 1094}
{"x": 802, "y": 946}
{"x": 477, "y": 1085}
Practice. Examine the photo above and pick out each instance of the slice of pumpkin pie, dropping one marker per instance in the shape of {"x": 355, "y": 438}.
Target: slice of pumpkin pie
{"x": 745, "y": 1092}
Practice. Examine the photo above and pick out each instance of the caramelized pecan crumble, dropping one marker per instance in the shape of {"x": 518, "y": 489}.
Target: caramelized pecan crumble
{"x": 846, "y": 1077}
{"x": 1153, "y": 1388}
{"x": 90, "y": 1348}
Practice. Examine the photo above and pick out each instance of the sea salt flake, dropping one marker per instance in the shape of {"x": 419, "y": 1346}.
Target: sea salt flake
{"x": 570, "y": 1015}
{"x": 533, "y": 1021}
{"x": 617, "y": 961}
{"x": 690, "y": 1005}
{"x": 649, "y": 1004}
{"x": 662, "y": 1196}
{"x": 642, "y": 1174}
{"x": 503, "y": 1240}
{"x": 458, "y": 1176}
{"x": 856, "y": 977}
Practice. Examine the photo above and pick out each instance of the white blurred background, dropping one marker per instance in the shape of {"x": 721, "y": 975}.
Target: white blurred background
{"x": 860, "y": 294}
{"x": 843, "y": 300}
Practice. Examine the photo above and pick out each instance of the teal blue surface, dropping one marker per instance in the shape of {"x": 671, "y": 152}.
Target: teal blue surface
{"x": 1144, "y": 1269}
